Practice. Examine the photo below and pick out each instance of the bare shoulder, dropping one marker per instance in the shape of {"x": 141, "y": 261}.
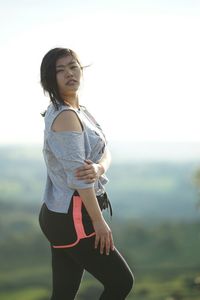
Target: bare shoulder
{"x": 67, "y": 120}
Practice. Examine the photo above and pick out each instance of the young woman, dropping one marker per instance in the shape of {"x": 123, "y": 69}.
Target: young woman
{"x": 76, "y": 157}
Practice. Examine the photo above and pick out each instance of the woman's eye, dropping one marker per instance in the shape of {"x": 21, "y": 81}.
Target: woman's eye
{"x": 59, "y": 71}
{"x": 74, "y": 67}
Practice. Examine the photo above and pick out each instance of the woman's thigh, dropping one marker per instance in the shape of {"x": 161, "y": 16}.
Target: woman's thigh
{"x": 111, "y": 270}
{"x": 66, "y": 275}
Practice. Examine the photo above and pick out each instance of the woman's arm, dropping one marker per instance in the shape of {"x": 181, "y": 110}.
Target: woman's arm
{"x": 68, "y": 121}
{"x": 105, "y": 161}
{"x": 104, "y": 236}
{"x": 92, "y": 171}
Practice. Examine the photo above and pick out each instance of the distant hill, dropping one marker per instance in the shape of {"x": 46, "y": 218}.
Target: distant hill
{"x": 156, "y": 151}
{"x": 154, "y": 187}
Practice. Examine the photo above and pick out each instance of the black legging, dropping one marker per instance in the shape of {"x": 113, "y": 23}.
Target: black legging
{"x": 69, "y": 263}
{"x": 111, "y": 270}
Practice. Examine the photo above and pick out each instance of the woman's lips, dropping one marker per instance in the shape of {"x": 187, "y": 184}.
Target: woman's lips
{"x": 71, "y": 81}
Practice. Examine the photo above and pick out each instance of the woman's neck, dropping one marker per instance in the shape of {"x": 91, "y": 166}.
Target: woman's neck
{"x": 71, "y": 100}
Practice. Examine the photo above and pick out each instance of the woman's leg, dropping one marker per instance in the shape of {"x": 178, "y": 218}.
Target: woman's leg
{"x": 68, "y": 263}
{"x": 66, "y": 275}
{"x": 111, "y": 270}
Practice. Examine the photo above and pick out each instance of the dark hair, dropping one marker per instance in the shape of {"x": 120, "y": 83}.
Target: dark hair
{"x": 48, "y": 73}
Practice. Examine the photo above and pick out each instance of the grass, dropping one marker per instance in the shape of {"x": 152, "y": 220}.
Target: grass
{"x": 147, "y": 287}
{"x": 35, "y": 293}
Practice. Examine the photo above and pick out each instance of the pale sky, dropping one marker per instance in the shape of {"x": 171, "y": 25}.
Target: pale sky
{"x": 144, "y": 82}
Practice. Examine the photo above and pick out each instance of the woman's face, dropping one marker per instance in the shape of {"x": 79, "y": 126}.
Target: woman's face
{"x": 68, "y": 75}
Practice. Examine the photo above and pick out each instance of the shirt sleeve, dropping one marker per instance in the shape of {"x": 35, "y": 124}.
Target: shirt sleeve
{"x": 68, "y": 147}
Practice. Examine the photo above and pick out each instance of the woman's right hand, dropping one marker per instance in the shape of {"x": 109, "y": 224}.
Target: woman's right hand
{"x": 103, "y": 237}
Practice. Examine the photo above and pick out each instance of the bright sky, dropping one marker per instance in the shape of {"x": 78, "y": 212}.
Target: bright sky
{"x": 144, "y": 84}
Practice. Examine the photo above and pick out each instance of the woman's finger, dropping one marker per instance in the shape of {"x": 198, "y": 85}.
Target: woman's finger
{"x": 82, "y": 170}
{"x": 96, "y": 243}
{"x": 112, "y": 247}
{"x": 88, "y": 161}
{"x": 108, "y": 245}
{"x": 89, "y": 177}
{"x": 85, "y": 176}
{"x": 90, "y": 180}
{"x": 102, "y": 244}
{"x": 85, "y": 173}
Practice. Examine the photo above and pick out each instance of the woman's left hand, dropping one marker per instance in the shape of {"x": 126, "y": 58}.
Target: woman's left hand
{"x": 89, "y": 172}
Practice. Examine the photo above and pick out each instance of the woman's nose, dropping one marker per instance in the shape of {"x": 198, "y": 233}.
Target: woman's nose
{"x": 68, "y": 73}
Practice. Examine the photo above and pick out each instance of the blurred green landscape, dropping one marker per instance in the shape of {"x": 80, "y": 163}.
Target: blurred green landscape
{"x": 156, "y": 226}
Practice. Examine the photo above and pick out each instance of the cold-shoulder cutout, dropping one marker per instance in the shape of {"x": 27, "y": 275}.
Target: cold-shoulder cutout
{"x": 67, "y": 120}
